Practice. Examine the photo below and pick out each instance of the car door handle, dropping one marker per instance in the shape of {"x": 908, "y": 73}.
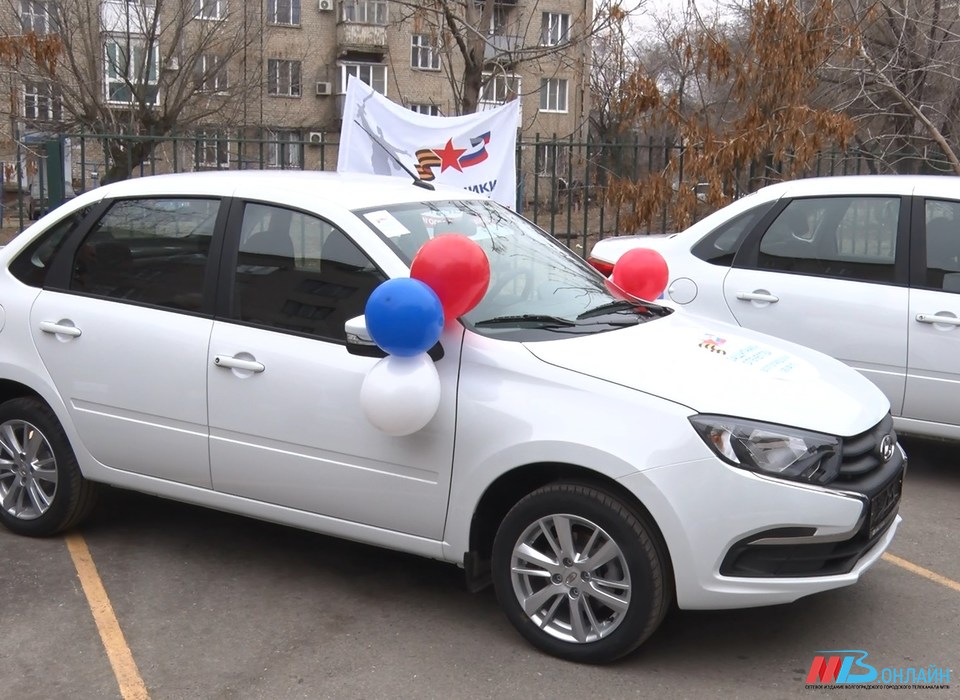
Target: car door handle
{"x": 59, "y": 329}
{"x": 236, "y": 363}
{"x": 934, "y": 318}
{"x": 758, "y": 296}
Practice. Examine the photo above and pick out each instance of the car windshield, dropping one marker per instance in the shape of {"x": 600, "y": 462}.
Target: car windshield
{"x": 537, "y": 287}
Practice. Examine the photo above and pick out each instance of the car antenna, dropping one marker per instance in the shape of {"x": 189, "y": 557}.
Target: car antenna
{"x": 393, "y": 156}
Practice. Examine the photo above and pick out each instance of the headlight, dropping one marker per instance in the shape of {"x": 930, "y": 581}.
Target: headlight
{"x": 776, "y": 450}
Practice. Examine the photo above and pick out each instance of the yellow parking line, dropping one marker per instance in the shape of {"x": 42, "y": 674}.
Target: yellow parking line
{"x": 920, "y": 571}
{"x": 125, "y": 669}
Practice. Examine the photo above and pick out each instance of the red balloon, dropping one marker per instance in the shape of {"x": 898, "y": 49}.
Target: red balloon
{"x": 457, "y": 269}
{"x": 642, "y": 273}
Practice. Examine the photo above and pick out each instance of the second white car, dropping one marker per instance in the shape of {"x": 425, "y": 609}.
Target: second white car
{"x": 866, "y": 269}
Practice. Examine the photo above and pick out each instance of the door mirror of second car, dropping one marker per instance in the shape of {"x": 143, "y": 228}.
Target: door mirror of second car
{"x": 359, "y": 341}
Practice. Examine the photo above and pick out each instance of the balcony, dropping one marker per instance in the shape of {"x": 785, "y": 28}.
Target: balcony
{"x": 367, "y": 38}
{"x": 502, "y": 48}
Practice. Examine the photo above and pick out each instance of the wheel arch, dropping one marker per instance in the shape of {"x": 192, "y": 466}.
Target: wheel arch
{"x": 504, "y": 493}
{"x": 10, "y": 389}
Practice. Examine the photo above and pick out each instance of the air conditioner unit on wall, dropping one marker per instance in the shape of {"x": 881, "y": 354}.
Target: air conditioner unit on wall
{"x": 326, "y": 5}
{"x": 316, "y": 138}
{"x": 324, "y": 89}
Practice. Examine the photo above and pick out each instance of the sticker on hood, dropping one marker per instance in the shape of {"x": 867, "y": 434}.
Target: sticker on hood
{"x": 755, "y": 355}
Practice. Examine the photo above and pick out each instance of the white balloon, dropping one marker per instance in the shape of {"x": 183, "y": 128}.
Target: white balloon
{"x": 400, "y": 395}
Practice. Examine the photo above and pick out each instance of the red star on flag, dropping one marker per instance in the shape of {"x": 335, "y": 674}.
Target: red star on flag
{"x": 450, "y": 156}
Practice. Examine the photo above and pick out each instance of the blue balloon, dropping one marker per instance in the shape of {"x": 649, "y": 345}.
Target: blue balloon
{"x": 404, "y": 317}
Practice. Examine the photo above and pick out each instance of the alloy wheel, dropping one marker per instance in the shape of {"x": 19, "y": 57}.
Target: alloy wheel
{"x": 571, "y": 578}
{"x": 28, "y": 471}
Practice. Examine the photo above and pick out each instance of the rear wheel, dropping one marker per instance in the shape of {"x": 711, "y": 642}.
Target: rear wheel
{"x": 41, "y": 489}
{"x": 580, "y": 574}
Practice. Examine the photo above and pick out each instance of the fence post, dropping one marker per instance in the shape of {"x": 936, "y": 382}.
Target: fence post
{"x": 667, "y": 154}
{"x": 585, "y": 195}
{"x": 518, "y": 160}
{"x": 175, "y": 140}
{"x": 536, "y": 176}
{"x": 55, "y": 175}
{"x": 553, "y": 185}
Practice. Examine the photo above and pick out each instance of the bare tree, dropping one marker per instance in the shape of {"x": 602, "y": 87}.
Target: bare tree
{"x": 741, "y": 102}
{"x": 479, "y": 38}
{"x": 897, "y": 74}
{"x": 616, "y": 59}
{"x": 130, "y": 71}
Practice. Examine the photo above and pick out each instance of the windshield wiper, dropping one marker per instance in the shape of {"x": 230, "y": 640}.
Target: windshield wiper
{"x": 610, "y": 307}
{"x": 542, "y": 320}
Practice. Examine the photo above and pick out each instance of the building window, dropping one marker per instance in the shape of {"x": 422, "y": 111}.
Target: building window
{"x": 213, "y": 149}
{"x": 132, "y": 71}
{"x": 283, "y": 77}
{"x": 553, "y": 95}
{"x": 429, "y": 110}
{"x": 209, "y": 9}
{"x": 424, "y": 52}
{"x": 284, "y": 12}
{"x": 554, "y": 29}
{"x": 365, "y": 11}
{"x": 498, "y": 18}
{"x": 42, "y": 102}
{"x": 284, "y": 149}
{"x": 373, "y": 74}
{"x": 37, "y": 16}
{"x": 499, "y": 89}
{"x": 211, "y": 74}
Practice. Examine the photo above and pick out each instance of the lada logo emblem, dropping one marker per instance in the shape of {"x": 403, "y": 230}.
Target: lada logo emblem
{"x": 887, "y": 446}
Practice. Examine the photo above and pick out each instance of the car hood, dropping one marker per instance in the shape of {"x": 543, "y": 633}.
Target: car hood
{"x": 713, "y": 367}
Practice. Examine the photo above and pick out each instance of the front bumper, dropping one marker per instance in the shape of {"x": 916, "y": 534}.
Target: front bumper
{"x": 740, "y": 540}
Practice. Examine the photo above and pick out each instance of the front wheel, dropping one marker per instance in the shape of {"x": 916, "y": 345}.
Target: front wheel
{"x": 41, "y": 489}
{"x": 580, "y": 574}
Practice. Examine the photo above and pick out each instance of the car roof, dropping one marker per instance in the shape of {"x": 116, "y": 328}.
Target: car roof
{"x": 863, "y": 184}
{"x": 349, "y": 190}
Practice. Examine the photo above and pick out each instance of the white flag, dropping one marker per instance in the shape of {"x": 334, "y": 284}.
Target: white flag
{"x": 475, "y": 151}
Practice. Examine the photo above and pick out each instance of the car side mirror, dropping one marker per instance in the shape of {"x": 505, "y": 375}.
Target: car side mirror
{"x": 356, "y": 330}
{"x": 360, "y": 343}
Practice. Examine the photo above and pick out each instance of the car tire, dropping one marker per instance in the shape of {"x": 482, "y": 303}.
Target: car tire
{"x": 42, "y": 491}
{"x": 580, "y": 573}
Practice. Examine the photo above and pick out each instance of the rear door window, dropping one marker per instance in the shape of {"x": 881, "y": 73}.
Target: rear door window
{"x": 149, "y": 251}
{"x": 852, "y": 238}
{"x": 942, "y": 243}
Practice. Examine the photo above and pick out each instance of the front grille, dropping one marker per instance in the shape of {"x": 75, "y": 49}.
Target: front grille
{"x": 861, "y": 453}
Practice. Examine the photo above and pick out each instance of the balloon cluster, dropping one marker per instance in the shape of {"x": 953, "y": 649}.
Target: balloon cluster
{"x": 641, "y": 273}
{"x": 405, "y": 316}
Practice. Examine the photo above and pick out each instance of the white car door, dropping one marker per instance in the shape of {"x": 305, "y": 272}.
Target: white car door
{"x": 126, "y": 341}
{"x": 830, "y": 273}
{"x": 933, "y": 376}
{"x": 286, "y": 423}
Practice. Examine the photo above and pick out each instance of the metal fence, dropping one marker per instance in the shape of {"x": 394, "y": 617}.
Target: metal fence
{"x": 562, "y": 184}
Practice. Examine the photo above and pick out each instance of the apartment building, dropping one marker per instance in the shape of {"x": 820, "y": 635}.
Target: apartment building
{"x": 216, "y": 72}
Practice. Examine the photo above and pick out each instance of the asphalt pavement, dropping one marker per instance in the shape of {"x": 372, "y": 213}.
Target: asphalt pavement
{"x": 201, "y": 604}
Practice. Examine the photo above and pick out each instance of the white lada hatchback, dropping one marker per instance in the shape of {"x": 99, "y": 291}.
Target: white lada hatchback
{"x": 596, "y": 459}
